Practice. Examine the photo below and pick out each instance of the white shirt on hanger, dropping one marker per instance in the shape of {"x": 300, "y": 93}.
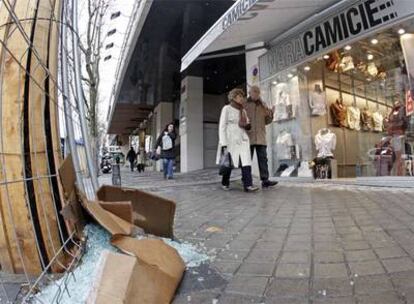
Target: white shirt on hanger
{"x": 354, "y": 118}
{"x": 378, "y": 120}
{"x": 284, "y": 142}
{"x": 325, "y": 143}
{"x": 317, "y": 103}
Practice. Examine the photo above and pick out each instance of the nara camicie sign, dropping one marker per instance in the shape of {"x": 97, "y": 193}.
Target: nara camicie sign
{"x": 359, "y": 18}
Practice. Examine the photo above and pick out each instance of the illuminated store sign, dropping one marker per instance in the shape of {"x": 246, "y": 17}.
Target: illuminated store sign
{"x": 360, "y": 18}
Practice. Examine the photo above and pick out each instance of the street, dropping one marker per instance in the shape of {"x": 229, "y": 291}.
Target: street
{"x": 302, "y": 243}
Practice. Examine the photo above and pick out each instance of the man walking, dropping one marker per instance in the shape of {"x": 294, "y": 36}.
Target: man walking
{"x": 260, "y": 116}
{"x": 131, "y": 156}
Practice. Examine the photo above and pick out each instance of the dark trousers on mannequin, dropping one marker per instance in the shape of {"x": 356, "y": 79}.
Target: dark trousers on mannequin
{"x": 261, "y": 152}
{"x": 246, "y": 176}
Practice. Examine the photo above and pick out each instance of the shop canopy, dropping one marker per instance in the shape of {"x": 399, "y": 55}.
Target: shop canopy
{"x": 252, "y": 21}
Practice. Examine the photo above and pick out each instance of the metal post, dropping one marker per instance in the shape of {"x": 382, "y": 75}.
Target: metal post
{"x": 66, "y": 102}
{"x": 80, "y": 100}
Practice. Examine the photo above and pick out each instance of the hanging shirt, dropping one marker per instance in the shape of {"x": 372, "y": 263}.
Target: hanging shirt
{"x": 366, "y": 120}
{"x": 354, "y": 118}
{"x": 378, "y": 121}
{"x": 282, "y": 105}
{"x": 325, "y": 143}
{"x": 284, "y": 142}
{"x": 317, "y": 103}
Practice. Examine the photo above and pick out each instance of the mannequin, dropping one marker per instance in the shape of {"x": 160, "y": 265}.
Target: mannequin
{"x": 366, "y": 119}
{"x": 317, "y": 101}
{"x": 283, "y": 106}
{"x": 384, "y": 157}
{"x": 284, "y": 142}
{"x": 397, "y": 125}
{"x": 325, "y": 143}
{"x": 338, "y": 111}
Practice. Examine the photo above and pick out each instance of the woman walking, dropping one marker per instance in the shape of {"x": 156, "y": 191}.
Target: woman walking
{"x": 166, "y": 141}
{"x": 234, "y": 139}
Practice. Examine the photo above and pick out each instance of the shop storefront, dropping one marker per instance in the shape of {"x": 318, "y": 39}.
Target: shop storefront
{"x": 343, "y": 90}
{"x": 340, "y": 75}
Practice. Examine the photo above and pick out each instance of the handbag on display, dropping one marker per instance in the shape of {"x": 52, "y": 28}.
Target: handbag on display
{"x": 226, "y": 164}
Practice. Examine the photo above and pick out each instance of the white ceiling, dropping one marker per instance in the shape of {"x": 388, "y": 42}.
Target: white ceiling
{"x": 278, "y": 17}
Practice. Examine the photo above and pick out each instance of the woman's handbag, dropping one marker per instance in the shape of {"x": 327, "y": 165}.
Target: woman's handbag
{"x": 226, "y": 164}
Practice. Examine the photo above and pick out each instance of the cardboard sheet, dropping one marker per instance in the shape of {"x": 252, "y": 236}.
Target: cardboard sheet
{"x": 160, "y": 268}
{"x": 120, "y": 209}
{"x": 109, "y": 221}
{"x": 73, "y": 213}
{"x": 116, "y": 280}
{"x": 67, "y": 176}
{"x": 152, "y": 213}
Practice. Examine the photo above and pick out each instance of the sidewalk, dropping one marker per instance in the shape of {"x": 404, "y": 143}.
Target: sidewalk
{"x": 292, "y": 244}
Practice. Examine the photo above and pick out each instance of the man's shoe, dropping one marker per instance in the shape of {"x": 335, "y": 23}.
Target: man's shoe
{"x": 225, "y": 188}
{"x": 267, "y": 184}
{"x": 251, "y": 189}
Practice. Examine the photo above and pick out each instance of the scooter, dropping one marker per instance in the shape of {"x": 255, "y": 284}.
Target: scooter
{"x": 106, "y": 166}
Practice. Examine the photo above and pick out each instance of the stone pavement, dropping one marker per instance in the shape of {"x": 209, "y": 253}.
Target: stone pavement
{"x": 292, "y": 244}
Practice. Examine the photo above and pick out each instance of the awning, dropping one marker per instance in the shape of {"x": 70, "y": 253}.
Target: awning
{"x": 251, "y": 21}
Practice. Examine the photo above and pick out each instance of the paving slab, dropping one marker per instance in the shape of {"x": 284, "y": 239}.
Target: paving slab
{"x": 305, "y": 244}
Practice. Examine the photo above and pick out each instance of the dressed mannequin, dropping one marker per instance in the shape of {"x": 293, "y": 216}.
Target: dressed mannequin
{"x": 338, "y": 111}
{"x": 354, "y": 118}
{"x": 284, "y": 143}
{"x": 283, "y": 106}
{"x": 397, "y": 125}
{"x": 325, "y": 143}
{"x": 384, "y": 157}
{"x": 366, "y": 119}
{"x": 317, "y": 101}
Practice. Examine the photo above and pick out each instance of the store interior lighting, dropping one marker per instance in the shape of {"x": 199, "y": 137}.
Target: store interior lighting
{"x": 326, "y": 57}
{"x": 374, "y": 41}
{"x": 370, "y": 56}
{"x": 307, "y": 68}
{"x": 348, "y": 48}
{"x": 401, "y": 31}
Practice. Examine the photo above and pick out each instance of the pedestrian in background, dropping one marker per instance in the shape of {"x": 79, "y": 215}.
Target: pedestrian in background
{"x": 141, "y": 160}
{"x": 131, "y": 157}
{"x": 234, "y": 140}
{"x": 166, "y": 142}
{"x": 260, "y": 116}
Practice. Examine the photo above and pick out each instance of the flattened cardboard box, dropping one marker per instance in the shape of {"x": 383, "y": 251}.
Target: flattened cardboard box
{"x": 150, "y": 275}
{"x": 121, "y": 209}
{"x": 109, "y": 221}
{"x": 152, "y": 213}
{"x": 115, "y": 280}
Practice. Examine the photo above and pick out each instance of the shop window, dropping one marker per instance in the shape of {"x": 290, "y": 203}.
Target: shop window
{"x": 349, "y": 113}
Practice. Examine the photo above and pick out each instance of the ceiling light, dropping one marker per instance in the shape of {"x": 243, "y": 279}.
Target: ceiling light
{"x": 326, "y": 57}
{"x": 290, "y": 75}
{"x": 401, "y": 31}
{"x": 307, "y": 68}
{"x": 369, "y": 79}
{"x": 348, "y": 48}
{"x": 274, "y": 82}
{"x": 374, "y": 41}
{"x": 370, "y": 56}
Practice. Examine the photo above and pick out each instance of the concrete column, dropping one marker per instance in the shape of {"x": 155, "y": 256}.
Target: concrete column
{"x": 191, "y": 124}
{"x": 163, "y": 113}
